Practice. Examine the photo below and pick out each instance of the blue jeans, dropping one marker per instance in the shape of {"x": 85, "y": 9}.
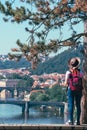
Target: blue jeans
{"x": 74, "y": 96}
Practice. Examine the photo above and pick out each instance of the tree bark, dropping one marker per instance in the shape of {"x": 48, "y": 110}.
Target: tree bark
{"x": 83, "y": 118}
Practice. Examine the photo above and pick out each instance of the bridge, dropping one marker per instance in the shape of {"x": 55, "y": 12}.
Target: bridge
{"x": 27, "y": 104}
{"x": 16, "y": 90}
{"x": 25, "y": 108}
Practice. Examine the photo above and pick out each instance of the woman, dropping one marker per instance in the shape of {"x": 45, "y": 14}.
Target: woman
{"x": 74, "y": 92}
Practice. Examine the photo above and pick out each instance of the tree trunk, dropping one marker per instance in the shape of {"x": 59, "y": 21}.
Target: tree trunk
{"x": 84, "y": 97}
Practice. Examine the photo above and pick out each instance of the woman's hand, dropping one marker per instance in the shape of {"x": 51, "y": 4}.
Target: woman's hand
{"x": 63, "y": 84}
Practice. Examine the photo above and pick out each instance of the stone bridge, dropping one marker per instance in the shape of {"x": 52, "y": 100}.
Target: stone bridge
{"x": 27, "y": 104}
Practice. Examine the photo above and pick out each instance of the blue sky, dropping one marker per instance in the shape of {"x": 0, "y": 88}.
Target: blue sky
{"x": 10, "y": 32}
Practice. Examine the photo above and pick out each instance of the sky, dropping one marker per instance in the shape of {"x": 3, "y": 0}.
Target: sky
{"x": 11, "y": 32}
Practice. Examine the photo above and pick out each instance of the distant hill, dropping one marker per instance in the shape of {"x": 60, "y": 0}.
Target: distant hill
{"x": 58, "y": 63}
{"x": 7, "y": 64}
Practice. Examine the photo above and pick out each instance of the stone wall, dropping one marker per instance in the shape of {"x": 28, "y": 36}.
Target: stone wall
{"x": 42, "y": 127}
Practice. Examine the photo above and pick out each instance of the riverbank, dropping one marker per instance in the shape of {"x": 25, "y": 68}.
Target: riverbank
{"x": 42, "y": 127}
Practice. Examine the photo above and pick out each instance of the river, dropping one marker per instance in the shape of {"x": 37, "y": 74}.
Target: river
{"x": 11, "y": 114}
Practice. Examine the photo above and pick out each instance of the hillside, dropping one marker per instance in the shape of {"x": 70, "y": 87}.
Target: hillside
{"x": 7, "y": 64}
{"x": 56, "y": 64}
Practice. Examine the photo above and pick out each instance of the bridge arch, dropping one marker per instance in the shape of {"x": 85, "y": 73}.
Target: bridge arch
{"x": 13, "y": 90}
{"x": 27, "y": 104}
{"x": 5, "y": 93}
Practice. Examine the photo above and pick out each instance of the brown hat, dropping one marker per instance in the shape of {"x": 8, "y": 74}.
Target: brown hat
{"x": 74, "y": 62}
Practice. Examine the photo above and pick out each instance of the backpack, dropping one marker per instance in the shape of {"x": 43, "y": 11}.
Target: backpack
{"x": 75, "y": 80}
